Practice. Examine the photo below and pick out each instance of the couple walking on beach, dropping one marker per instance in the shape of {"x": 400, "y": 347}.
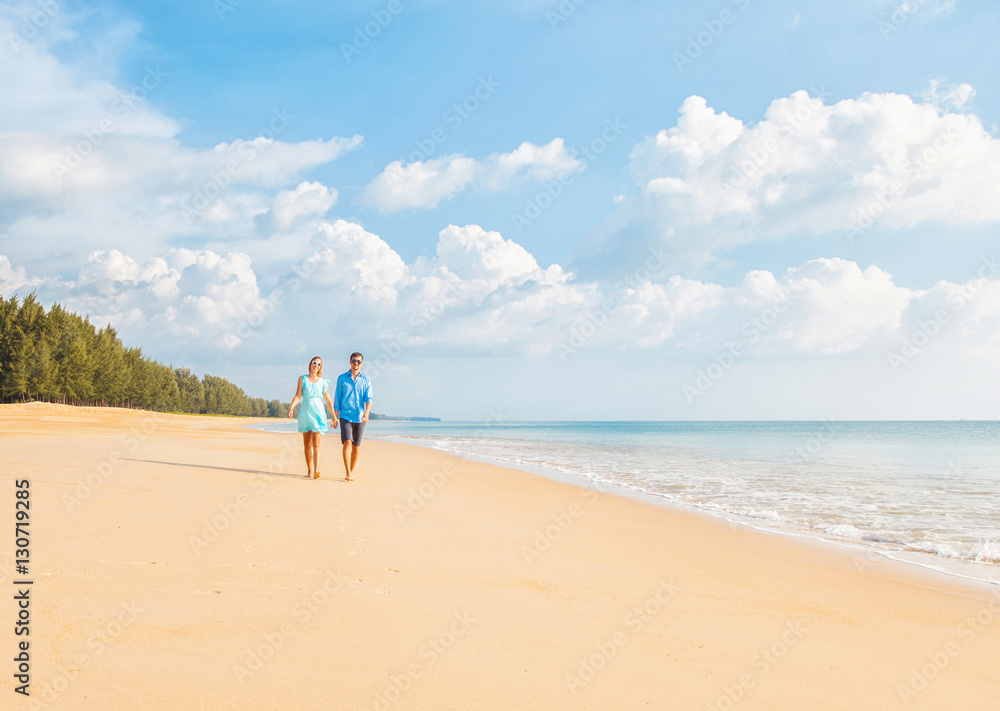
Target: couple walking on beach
{"x": 351, "y": 405}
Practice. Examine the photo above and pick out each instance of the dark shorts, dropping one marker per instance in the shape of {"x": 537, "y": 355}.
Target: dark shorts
{"x": 351, "y": 432}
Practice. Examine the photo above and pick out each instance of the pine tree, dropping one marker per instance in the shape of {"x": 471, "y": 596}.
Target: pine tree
{"x": 110, "y": 377}
{"x": 60, "y": 356}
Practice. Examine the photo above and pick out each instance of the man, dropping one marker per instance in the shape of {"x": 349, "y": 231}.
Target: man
{"x": 352, "y": 401}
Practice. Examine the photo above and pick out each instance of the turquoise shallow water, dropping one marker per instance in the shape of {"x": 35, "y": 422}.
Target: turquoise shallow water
{"x": 924, "y": 492}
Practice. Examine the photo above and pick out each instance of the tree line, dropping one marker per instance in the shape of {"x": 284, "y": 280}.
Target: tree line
{"x": 60, "y": 357}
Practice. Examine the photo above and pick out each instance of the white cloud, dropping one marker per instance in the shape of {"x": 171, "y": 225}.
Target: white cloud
{"x": 825, "y": 307}
{"x": 197, "y": 298}
{"x": 291, "y": 207}
{"x": 486, "y": 295}
{"x": 473, "y": 253}
{"x": 424, "y": 184}
{"x": 528, "y": 162}
{"x": 87, "y": 161}
{"x": 420, "y": 184}
{"x": 12, "y": 279}
{"x": 356, "y": 267}
{"x": 716, "y": 182}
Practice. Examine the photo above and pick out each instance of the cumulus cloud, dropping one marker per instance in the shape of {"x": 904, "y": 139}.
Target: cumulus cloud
{"x": 713, "y": 182}
{"x": 484, "y": 294}
{"x": 473, "y": 253}
{"x": 198, "y": 296}
{"x": 355, "y": 266}
{"x": 420, "y": 184}
{"x": 87, "y": 160}
{"x": 425, "y": 184}
{"x": 292, "y": 207}
{"x": 12, "y": 279}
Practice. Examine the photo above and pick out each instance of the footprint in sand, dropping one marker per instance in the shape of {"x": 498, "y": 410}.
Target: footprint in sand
{"x": 356, "y": 554}
{"x": 249, "y": 549}
{"x": 390, "y": 571}
{"x": 359, "y": 539}
{"x": 345, "y": 528}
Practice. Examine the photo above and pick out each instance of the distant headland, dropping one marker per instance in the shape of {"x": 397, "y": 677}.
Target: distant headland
{"x": 376, "y": 416}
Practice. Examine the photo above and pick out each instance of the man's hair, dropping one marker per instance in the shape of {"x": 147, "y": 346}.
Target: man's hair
{"x": 358, "y": 355}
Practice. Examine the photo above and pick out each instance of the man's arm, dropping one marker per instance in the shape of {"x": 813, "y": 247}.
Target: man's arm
{"x": 368, "y": 399}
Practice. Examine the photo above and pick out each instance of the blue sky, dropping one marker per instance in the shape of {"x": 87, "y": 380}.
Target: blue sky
{"x": 567, "y": 210}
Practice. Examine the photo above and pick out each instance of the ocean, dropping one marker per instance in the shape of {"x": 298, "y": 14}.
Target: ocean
{"x": 927, "y": 493}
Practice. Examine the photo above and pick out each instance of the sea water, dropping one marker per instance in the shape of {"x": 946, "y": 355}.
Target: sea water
{"x": 923, "y": 492}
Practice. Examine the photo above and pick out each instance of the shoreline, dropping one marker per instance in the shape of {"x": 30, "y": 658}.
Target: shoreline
{"x": 927, "y": 563}
{"x": 808, "y": 537}
{"x": 435, "y": 582}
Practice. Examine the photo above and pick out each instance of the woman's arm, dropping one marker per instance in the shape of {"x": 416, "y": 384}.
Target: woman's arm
{"x": 297, "y": 398}
{"x": 329, "y": 403}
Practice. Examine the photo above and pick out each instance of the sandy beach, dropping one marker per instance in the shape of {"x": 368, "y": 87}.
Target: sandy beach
{"x": 182, "y": 562}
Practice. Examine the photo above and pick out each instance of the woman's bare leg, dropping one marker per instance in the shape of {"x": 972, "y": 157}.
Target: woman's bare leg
{"x": 315, "y": 462}
{"x": 307, "y": 446}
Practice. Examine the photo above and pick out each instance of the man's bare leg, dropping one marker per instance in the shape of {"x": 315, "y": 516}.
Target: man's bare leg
{"x": 347, "y": 459}
{"x": 355, "y": 451}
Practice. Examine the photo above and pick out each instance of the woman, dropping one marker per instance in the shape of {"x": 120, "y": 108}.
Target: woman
{"x": 312, "y": 391}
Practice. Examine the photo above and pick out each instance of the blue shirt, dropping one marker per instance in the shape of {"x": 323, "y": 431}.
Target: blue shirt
{"x": 352, "y": 395}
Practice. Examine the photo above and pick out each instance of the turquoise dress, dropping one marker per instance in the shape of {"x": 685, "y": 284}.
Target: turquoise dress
{"x": 312, "y": 409}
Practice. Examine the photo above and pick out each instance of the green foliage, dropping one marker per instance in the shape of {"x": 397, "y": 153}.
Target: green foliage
{"x": 58, "y": 356}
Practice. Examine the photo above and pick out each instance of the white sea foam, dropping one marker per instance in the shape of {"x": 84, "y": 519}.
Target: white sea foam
{"x": 924, "y": 492}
